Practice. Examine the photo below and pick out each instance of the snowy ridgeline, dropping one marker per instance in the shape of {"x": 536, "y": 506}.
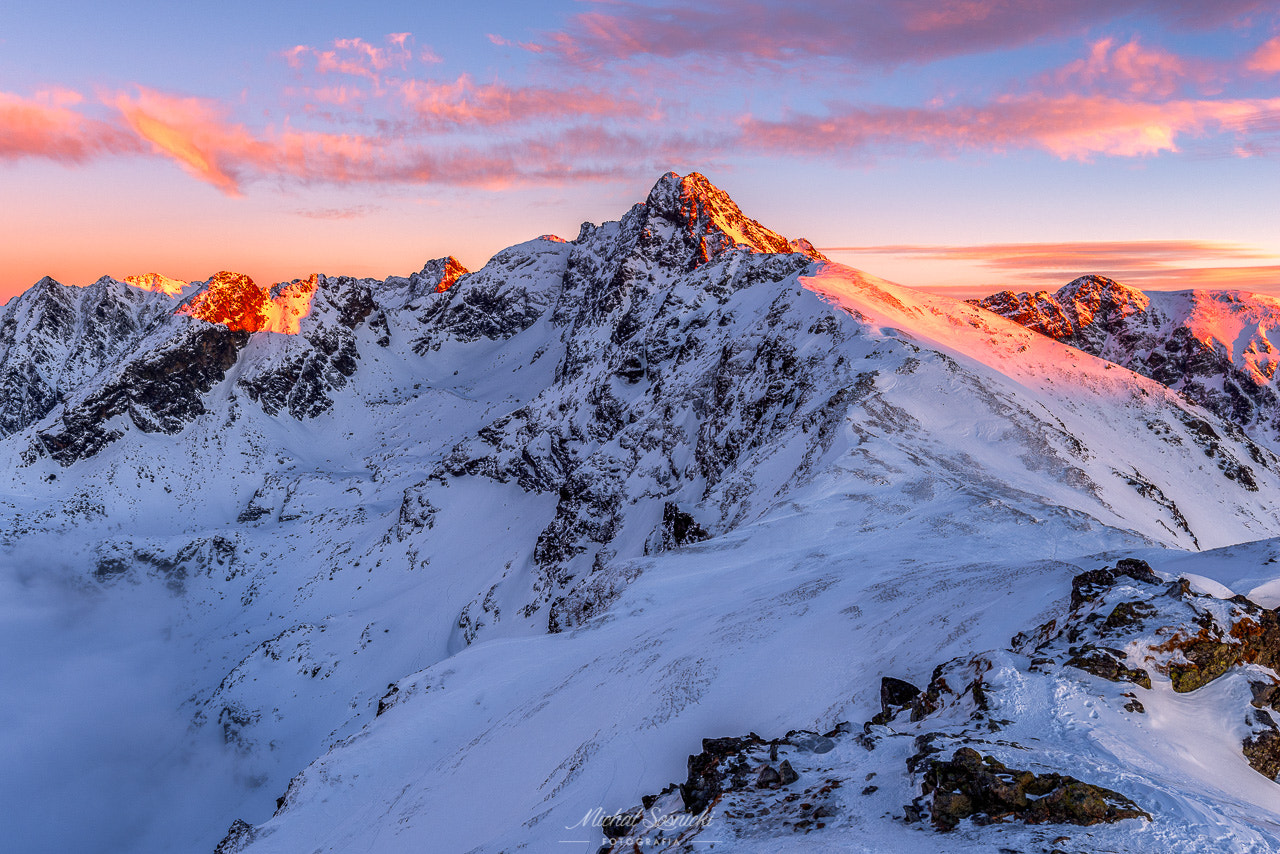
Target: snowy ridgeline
{"x": 475, "y": 561}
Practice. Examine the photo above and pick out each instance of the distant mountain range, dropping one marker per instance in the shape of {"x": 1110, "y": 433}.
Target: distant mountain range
{"x": 482, "y": 561}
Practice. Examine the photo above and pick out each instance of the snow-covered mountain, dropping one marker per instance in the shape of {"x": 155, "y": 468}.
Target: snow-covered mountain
{"x": 450, "y": 561}
{"x": 54, "y": 339}
{"x": 1214, "y": 347}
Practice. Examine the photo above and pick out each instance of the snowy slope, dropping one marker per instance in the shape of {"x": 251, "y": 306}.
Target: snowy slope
{"x": 559, "y": 519}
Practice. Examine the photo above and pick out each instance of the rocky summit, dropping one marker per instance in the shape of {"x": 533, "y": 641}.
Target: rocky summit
{"x": 673, "y": 536}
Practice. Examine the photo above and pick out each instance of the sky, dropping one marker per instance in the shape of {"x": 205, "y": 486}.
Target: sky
{"x": 964, "y": 146}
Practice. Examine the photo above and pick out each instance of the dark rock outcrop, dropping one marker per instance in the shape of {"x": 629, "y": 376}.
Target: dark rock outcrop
{"x": 977, "y": 787}
{"x": 895, "y": 695}
{"x": 161, "y": 391}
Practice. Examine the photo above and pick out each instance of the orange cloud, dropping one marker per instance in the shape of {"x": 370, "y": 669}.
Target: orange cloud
{"x": 195, "y": 134}
{"x": 1133, "y": 254}
{"x": 45, "y": 127}
{"x": 1151, "y": 264}
{"x": 1262, "y": 278}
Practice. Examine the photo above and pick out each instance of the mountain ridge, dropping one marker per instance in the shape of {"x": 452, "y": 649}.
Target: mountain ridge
{"x": 1213, "y": 347}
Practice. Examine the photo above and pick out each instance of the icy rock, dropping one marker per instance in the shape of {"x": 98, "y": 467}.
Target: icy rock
{"x": 768, "y": 777}
{"x": 238, "y": 837}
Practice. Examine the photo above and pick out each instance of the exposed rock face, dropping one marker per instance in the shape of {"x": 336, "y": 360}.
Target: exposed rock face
{"x": 1262, "y": 749}
{"x": 417, "y": 289}
{"x": 895, "y": 695}
{"x": 707, "y": 223}
{"x": 505, "y": 298}
{"x": 1128, "y": 616}
{"x": 240, "y": 835}
{"x": 977, "y": 787}
{"x": 1192, "y": 638}
{"x": 444, "y": 272}
{"x": 304, "y": 371}
{"x": 734, "y": 778}
{"x": 233, "y": 300}
{"x": 158, "y": 283}
{"x": 679, "y": 528}
{"x": 708, "y": 770}
{"x": 1084, "y": 313}
{"x": 160, "y": 391}
{"x": 1215, "y": 347}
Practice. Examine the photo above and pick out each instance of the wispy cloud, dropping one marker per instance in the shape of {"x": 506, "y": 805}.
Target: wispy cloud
{"x": 465, "y": 102}
{"x": 1153, "y": 264}
{"x": 1069, "y": 127}
{"x": 1132, "y": 69}
{"x": 353, "y": 212}
{"x": 1131, "y": 254}
{"x": 356, "y": 57}
{"x": 1257, "y": 278}
{"x": 194, "y": 133}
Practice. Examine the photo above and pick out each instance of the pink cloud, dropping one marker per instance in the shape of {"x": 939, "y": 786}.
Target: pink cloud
{"x": 883, "y": 32}
{"x": 1132, "y": 69}
{"x": 464, "y": 102}
{"x": 338, "y": 96}
{"x": 46, "y": 127}
{"x": 1069, "y": 127}
{"x": 1149, "y": 264}
{"x": 355, "y": 57}
{"x": 201, "y": 138}
{"x": 1266, "y": 60}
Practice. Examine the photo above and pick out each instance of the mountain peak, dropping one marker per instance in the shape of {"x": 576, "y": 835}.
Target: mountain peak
{"x": 232, "y": 299}
{"x": 1088, "y": 296}
{"x": 156, "y": 283}
{"x": 1064, "y": 315}
{"x": 240, "y": 304}
{"x": 707, "y": 214}
{"x": 444, "y": 272}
